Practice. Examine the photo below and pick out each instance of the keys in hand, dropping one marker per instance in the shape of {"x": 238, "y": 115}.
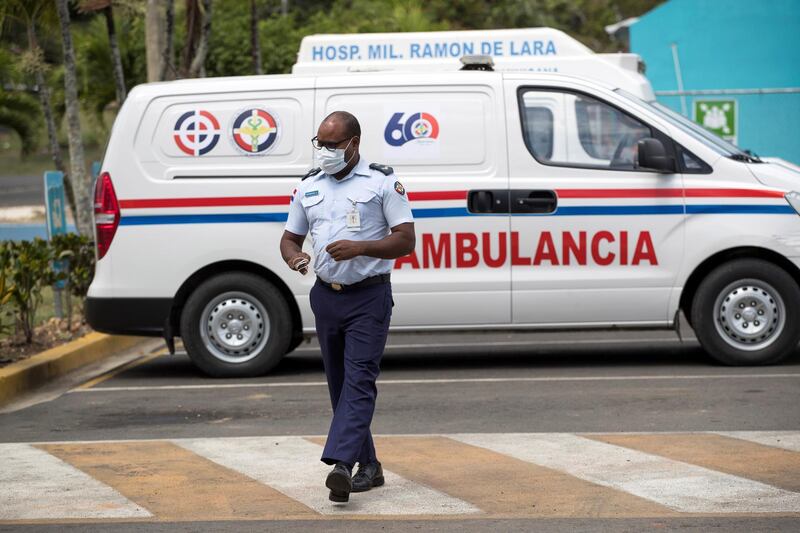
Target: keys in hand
{"x": 300, "y": 264}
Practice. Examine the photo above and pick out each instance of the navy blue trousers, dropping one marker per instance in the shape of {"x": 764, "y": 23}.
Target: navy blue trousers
{"x": 351, "y": 326}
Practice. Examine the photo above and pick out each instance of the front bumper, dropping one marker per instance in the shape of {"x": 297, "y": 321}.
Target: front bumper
{"x": 128, "y": 316}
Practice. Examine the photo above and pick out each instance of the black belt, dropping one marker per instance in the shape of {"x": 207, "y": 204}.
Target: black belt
{"x": 366, "y": 282}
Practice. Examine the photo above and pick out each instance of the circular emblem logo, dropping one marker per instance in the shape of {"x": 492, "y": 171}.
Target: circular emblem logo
{"x": 254, "y": 131}
{"x": 421, "y": 126}
{"x": 196, "y": 132}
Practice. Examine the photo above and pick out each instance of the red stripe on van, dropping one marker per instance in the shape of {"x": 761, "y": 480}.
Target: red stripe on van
{"x": 733, "y": 193}
{"x": 422, "y": 196}
{"x": 204, "y": 202}
{"x": 667, "y": 193}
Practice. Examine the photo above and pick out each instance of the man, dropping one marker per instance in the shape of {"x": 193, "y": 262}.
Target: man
{"x": 360, "y": 221}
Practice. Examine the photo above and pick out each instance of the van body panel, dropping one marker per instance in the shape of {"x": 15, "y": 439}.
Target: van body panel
{"x": 445, "y": 281}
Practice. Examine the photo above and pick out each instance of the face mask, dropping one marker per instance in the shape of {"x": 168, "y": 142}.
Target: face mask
{"x": 332, "y": 162}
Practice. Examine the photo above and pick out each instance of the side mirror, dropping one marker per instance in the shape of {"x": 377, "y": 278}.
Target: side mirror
{"x": 653, "y": 156}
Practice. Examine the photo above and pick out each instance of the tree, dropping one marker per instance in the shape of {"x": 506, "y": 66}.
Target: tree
{"x": 20, "y": 112}
{"x": 105, "y": 7}
{"x": 255, "y": 42}
{"x": 167, "y": 66}
{"x": 197, "y": 67}
{"x": 80, "y": 178}
{"x": 154, "y": 40}
{"x": 33, "y": 13}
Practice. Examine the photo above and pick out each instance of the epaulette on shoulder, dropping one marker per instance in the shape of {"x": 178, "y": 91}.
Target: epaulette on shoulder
{"x": 311, "y": 173}
{"x": 385, "y": 169}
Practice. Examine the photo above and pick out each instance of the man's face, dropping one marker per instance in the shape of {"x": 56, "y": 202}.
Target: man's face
{"x": 333, "y": 134}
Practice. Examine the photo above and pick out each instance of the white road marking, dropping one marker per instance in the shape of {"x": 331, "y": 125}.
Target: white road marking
{"x": 291, "y": 465}
{"x": 440, "y": 381}
{"x": 788, "y": 440}
{"x": 37, "y": 485}
{"x": 674, "y": 484}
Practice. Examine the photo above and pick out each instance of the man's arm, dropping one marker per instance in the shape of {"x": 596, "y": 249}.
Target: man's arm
{"x": 292, "y": 251}
{"x": 399, "y": 242}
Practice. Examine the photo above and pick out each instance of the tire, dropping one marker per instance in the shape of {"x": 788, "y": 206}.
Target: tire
{"x": 253, "y": 309}
{"x": 731, "y": 329}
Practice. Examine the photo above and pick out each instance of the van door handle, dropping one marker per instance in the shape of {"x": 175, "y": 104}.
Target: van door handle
{"x": 533, "y": 201}
{"x": 488, "y": 201}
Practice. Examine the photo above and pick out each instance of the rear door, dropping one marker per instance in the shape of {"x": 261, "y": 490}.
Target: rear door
{"x": 445, "y": 140}
{"x": 594, "y": 241}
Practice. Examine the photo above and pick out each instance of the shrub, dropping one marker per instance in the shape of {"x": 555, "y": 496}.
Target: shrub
{"x": 29, "y": 268}
{"x": 79, "y": 250}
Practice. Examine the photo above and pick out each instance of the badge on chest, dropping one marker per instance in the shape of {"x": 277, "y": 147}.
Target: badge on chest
{"x": 353, "y": 218}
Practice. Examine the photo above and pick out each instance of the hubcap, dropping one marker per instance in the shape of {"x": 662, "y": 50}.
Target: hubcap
{"x": 750, "y": 314}
{"x": 234, "y": 327}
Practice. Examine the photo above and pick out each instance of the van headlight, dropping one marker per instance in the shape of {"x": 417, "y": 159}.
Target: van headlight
{"x": 794, "y": 200}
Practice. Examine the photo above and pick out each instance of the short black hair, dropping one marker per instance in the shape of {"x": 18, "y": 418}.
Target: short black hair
{"x": 351, "y": 125}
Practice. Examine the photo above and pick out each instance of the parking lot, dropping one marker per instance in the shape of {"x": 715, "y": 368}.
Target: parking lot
{"x": 615, "y": 430}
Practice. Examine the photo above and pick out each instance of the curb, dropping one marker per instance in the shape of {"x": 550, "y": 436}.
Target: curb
{"x": 22, "y": 376}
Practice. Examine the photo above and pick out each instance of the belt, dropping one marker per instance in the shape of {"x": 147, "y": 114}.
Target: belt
{"x": 366, "y": 282}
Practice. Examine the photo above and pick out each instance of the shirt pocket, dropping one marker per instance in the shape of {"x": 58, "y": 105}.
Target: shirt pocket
{"x": 314, "y": 208}
{"x": 367, "y": 205}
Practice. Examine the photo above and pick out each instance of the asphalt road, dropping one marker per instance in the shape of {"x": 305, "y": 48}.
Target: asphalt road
{"x": 21, "y": 190}
{"x": 565, "y": 432}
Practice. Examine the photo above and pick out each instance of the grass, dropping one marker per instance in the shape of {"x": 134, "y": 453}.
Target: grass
{"x": 13, "y": 164}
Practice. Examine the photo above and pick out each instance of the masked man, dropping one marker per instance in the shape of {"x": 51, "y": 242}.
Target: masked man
{"x": 360, "y": 221}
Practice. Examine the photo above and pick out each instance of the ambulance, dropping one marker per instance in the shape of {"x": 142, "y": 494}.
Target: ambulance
{"x": 549, "y": 191}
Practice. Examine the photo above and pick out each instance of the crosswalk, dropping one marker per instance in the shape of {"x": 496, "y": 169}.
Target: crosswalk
{"x": 479, "y": 475}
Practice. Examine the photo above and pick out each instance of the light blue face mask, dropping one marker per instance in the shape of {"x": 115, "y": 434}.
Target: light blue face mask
{"x": 332, "y": 161}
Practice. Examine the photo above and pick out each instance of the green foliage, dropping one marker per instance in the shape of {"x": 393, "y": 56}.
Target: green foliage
{"x": 21, "y": 113}
{"x": 79, "y": 251}
{"x": 93, "y": 57}
{"x": 6, "y": 290}
{"x": 26, "y": 267}
{"x": 28, "y": 263}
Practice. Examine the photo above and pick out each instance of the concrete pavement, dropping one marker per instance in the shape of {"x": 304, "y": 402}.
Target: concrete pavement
{"x": 603, "y": 431}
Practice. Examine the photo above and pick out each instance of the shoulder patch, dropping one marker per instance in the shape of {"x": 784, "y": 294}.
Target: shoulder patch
{"x": 399, "y": 188}
{"x": 311, "y": 173}
{"x": 385, "y": 169}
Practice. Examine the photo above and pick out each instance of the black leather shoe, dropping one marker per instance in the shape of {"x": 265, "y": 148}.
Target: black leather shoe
{"x": 340, "y": 483}
{"x": 368, "y": 476}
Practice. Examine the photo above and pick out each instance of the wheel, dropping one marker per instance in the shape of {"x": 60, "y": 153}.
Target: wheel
{"x": 236, "y": 325}
{"x": 745, "y": 312}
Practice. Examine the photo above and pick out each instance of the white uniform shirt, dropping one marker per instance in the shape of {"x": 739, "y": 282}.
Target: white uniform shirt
{"x": 321, "y": 203}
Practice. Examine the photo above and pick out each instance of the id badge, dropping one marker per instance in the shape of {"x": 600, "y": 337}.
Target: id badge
{"x": 353, "y": 220}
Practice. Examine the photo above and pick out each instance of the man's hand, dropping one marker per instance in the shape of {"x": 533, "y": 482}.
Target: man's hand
{"x": 300, "y": 262}
{"x": 344, "y": 250}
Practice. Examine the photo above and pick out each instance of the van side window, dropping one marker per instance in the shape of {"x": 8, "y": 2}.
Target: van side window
{"x": 539, "y": 123}
{"x": 582, "y": 131}
{"x": 690, "y": 163}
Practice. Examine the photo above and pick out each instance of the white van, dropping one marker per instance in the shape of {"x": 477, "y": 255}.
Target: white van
{"x": 541, "y": 201}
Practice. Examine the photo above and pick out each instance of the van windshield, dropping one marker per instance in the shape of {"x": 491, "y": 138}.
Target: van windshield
{"x": 719, "y": 145}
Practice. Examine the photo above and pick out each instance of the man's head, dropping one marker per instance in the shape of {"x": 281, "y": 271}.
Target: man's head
{"x": 339, "y": 131}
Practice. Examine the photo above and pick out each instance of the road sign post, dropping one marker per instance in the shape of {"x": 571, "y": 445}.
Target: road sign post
{"x": 55, "y": 203}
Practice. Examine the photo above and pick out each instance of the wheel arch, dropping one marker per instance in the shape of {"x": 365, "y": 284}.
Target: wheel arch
{"x": 724, "y": 256}
{"x": 221, "y": 267}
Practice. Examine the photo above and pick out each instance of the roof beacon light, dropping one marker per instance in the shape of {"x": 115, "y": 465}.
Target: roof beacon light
{"x": 477, "y": 63}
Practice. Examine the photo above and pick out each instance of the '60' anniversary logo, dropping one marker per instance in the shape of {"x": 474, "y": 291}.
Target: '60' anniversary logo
{"x": 418, "y": 126}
